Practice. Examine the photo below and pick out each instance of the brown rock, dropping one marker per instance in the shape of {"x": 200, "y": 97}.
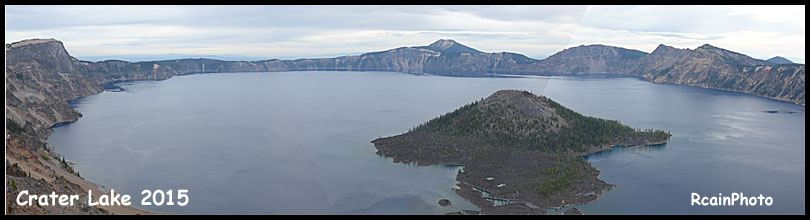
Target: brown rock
{"x": 444, "y": 202}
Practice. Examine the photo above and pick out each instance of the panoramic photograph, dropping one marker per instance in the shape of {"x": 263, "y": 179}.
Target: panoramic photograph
{"x": 405, "y": 110}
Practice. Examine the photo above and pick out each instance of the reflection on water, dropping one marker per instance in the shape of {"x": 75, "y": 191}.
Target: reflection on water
{"x": 643, "y": 151}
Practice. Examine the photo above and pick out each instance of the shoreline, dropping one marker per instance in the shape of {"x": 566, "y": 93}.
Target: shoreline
{"x": 521, "y": 153}
{"x": 534, "y": 209}
{"x": 89, "y": 185}
{"x": 640, "y": 78}
{"x": 49, "y": 170}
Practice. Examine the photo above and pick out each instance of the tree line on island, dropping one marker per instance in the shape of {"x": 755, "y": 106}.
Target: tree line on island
{"x": 518, "y": 147}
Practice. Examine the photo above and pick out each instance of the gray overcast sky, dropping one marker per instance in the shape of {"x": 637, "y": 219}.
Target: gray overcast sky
{"x": 315, "y": 31}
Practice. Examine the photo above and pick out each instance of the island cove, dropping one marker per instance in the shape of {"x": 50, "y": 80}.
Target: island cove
{"x": 520, "y": 152}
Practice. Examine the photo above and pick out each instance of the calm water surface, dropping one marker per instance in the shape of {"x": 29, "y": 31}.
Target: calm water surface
{"x": 299, "y": 142}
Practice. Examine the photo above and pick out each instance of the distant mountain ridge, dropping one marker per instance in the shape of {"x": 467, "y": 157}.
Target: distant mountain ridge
{"x": 44, "y": 67}
{"x": 711, "y": 67}
{"x": 779, "y": 60}
{"x": 41, "y": 76}
{"x": 171, "y": 56}
{"x": 450, "y": 47}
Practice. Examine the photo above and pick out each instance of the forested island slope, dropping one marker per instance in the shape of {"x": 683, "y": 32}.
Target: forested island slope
{"x": 518, "y": 148}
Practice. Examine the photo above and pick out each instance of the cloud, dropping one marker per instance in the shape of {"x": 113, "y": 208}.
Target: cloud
{"x": 302, "y": 31}
{"x": 758, "y": 31}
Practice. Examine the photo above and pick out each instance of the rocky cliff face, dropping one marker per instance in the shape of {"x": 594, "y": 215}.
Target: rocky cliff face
{"x": 589, "y": 59}
{"x": 49, "y": 53}
{"x": 717, "y": 68}
{"x": 40, "y": 76}
{"x": 706, "y": 66}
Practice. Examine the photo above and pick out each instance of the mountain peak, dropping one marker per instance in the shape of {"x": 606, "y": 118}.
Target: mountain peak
{"x": 664, "y": 49}
{"x": 779, "y": 60}
{"x": 708, "y": 47}
{"x": 443, "y": 44}
{"x": 509, "y": 96}
{"x": 663, "y": 46}
{"x": 450, "y": 46}
{"x": 598, "y": 51}
{"x": 728, "y": 56}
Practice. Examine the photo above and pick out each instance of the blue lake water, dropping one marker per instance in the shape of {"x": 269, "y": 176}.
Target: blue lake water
{"x": 299, "y": 142}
